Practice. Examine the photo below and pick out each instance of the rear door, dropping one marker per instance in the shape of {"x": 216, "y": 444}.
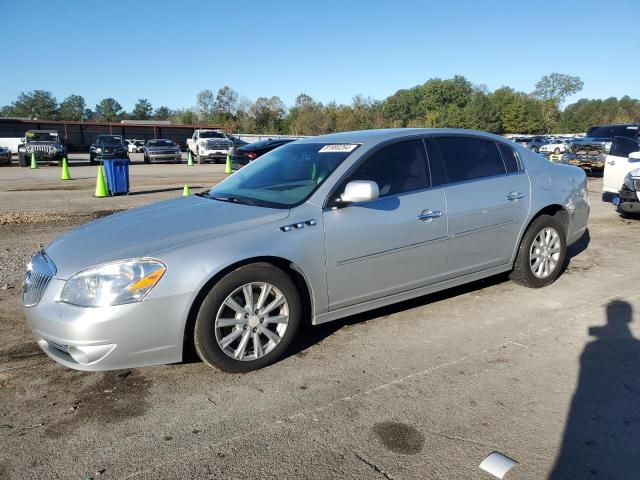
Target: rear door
{"x": 487, "y": 195}
{"x": 618, "y": 164}
{"x": 393, "y": 244}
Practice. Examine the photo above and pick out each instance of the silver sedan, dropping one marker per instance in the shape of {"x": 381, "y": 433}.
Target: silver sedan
{"x": 316, "y": 230}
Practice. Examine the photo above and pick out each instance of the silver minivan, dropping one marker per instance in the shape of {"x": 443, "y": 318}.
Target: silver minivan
{"x": 313, "y": 231}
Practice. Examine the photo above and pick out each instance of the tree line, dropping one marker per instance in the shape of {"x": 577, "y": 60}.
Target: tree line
{"x": 454, "y": 103}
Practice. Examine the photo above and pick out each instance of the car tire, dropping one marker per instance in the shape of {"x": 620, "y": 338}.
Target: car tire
{"x": 209, "y": 336}
{"x": 529, "y": 266}
{"x": 557, "y": 151}
{"x": 22, "y": 160}
{"x": 198, "y": 158}
{"x": 146, "y": 159}
{"x": 92, "y": 160}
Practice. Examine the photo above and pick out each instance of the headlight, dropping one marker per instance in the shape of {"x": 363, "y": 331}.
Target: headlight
{"x": 112, "y": 284}
{"x": 98, "y": 150}
{"x": 631, "y": 182}
{"x": 203, "y": 144}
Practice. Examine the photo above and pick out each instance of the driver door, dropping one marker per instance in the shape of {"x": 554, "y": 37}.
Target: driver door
{"x": 389, "y": 245}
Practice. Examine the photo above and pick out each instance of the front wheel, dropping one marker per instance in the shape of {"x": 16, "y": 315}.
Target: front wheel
{"x": 541, "y": 254}
{"x": 248, "y": 319}
{"x": 557, "y": 151}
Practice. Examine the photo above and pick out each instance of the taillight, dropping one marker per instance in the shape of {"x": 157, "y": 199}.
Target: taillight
{"x": 252, "y": 155}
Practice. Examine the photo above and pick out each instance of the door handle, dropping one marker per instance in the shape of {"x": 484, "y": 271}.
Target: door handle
{"x": 429, "y": 214}
{"x": 515, "y": 196}
{"x": 611, "y": 162}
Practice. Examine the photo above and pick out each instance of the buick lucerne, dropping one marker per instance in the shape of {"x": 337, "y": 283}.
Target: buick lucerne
{"x": 316, "y": 230}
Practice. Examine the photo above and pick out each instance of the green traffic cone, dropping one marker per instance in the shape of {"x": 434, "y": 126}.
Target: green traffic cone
{"x": 227, "y": 168}
{"x": 101, "y": 185}
{"x": 186, "y": 191}
{"x": 65, "y": 175}
{"x": 190, "y": 159}
{"x": 34, "y": 163}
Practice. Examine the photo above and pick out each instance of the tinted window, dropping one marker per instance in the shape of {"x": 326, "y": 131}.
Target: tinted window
{"x": 397, "y": 168}
{"x": 509, "y": 158}
{"x": 622, "y": 147}
{"x": 436, "y": 166}
{"x": 611, "y": 131}
{"x": 468, "y": 158}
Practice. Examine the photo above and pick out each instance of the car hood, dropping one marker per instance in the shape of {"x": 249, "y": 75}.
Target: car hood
{"x": 146, "y": 231}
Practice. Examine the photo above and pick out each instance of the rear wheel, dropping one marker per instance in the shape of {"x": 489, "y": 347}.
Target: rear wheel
{"x": 248, "y": 319}
{"x": 541, "y": 254}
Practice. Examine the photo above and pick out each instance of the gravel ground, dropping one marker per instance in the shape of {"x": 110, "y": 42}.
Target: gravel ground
{"x": 422, "y": 389}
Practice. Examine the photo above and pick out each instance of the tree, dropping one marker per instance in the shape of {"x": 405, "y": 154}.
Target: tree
{"x": 72, "y": 108}
{"x": 306, "y": 117}
{"x": 109, "y": 110}
{"x": 206, "y": 104}
{"x": 88, "y": 114}
{"x": 268, "y": 114}
{"x": 142, "y": 110}
{"x": 557, "y": 87}
{"x": 37, "y": 104}
{"x": 225, "y": 104}
{"x": 162, "y": 113}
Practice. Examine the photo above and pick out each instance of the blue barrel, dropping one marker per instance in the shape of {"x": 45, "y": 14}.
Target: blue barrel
{"x": 117, "y": 173}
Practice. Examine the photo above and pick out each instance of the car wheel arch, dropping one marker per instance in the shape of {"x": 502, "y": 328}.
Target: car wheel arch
{"x": 554, "y": 210}
{"x": 289, "y": 267}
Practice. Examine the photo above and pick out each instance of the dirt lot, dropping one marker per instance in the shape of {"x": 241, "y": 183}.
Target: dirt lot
{"x": 423, "y": 389}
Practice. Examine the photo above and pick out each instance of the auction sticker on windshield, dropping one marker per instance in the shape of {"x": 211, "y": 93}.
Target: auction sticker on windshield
{"x": 338, "y": 147}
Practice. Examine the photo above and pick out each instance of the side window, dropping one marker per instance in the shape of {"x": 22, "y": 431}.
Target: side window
{"x": 397, "y": 168}
{"x": 469, "y": 158}
{"x": 436, "y": 166}
{"x": 509, "y": 158}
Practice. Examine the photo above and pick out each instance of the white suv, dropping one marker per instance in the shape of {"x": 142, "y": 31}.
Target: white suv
{"x": 210, "y": 145}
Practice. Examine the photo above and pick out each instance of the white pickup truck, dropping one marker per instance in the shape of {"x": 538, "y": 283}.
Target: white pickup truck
{"x": 210, "y": 145}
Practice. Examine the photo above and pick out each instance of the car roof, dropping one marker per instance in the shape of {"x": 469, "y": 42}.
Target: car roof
{"x": 372, "y": 137}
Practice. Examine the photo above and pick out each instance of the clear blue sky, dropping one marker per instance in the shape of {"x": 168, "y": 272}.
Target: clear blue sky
{"x": 167, "y": 51}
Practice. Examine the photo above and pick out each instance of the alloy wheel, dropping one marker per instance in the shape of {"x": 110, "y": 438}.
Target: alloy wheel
{"x": 251, "y": 321}
{"x": 545, "y": 252}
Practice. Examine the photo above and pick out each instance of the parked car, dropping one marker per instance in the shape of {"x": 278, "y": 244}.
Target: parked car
{"x": 244, "y": 155}
{"x": 210, "y": 145}
{"x": 5, "y": 155}
{"x": 556, "y": 146}
{"x": 318, "y": 229}
{"x": 107, "y": 146}
{"x": 45, "y": 145}
{"x": 590, "y": 152}
{"x": 160, "y": 150}
{"x": 623, "y": 157}
{"x": 135, "y": 146}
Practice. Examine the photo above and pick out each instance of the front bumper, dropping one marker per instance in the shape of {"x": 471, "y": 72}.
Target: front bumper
{"x": 165, "y": 156}
{"x": 215, "y": 153}
{"x": 627, "y": 201}
{"x": 150, "y": 332}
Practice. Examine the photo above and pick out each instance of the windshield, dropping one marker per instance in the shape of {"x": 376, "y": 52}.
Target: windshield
{"x": 284, "y": 177}
{"x": 42, "y": 137}
{"x": 109, "y": 140}
{"x": 212, "y": 135}
{"x": 608, "y": 132}
{"x": 161, "y": 143}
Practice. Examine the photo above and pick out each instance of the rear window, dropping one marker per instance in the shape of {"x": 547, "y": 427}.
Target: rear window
{"x": 610, "y": 131}
{"x": 469, "y": 158}
{"x": 509, "y": 157}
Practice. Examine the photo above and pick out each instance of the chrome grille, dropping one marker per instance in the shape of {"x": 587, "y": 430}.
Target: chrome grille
{"x": 212, "y": 144}
{"x": 39, "y": 273}
{"x": 41, "y": 148}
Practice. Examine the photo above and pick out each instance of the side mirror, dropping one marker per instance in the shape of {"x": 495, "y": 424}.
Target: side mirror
{"x": 634, "y": 156}
{"x": 359, "y": 191}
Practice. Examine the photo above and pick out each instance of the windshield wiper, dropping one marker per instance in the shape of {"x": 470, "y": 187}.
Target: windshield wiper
{"x": 234, "y": 199}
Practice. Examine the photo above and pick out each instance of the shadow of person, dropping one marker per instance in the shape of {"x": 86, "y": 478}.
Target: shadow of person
{"x": 602, "y": 434}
